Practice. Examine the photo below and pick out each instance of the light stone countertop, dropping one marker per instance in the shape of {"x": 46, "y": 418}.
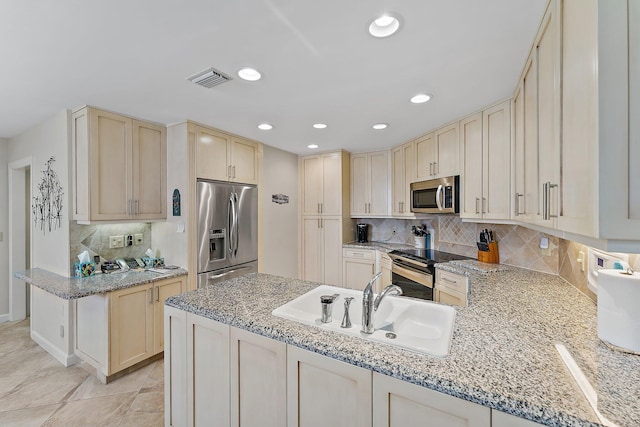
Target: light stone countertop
{"x": 381, "y": 246}
{"x": 502, "y": 354}
{"x": 73, "y": 288}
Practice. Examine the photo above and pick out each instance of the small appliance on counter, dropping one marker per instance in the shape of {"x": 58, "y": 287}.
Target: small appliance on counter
{"x": 618, "y": 314}
{"x": 362, "y": 233}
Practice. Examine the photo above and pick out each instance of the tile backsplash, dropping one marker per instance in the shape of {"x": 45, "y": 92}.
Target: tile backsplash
{"x": 95, "y": 239}
{"x": 518, "y": 246}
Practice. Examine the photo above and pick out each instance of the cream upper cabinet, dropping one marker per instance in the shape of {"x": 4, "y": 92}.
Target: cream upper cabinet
{"x": 223, "y": 157}
{"x": 437, "y": 153}
{"x": 400, "y": 404}
{"x": 323, "y": 183}
{"x": 425, "y": 157}
{"x": 370, "y": 184}
{"x": 472, "y": 166}
{"x": 403, "y": 167}
{"x": 118, "y": 167}
{"x": 486, "y": 144}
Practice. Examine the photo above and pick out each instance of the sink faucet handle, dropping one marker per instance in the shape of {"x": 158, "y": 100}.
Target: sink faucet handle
{"x": 346, "y": 321}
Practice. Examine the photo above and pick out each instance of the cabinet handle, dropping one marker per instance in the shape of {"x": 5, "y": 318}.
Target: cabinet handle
{"x": 157, "y": 294}
{"x": 453, "y": 282}
{"x": 321, "y": 207}
{"x": 318, "y": 207}
{"x": 400, "y": 207}
{"x": 477, "y": 200}
{"x": 431, "y": 168}
{"x": 484, "y": 203}
{"x": 518, "y": 195}
{"x": 234, "y": 171}
{"x": 546, "y": 195}
{"x": 229, "y": 171}
{"x": 321, "y": 223}
{"x": 436, "y": 168}
{"x": 318, "y": 222}
{"x": 137, "y": 207}
{"x": 150, "y": 290}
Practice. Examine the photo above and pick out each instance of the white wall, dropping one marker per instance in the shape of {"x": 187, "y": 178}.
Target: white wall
{"x": 4, "y": 244}
{"x": 50, "y": 250}
{"x": 280, "y": 222}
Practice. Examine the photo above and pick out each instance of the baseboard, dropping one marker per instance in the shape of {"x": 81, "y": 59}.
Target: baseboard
{"x": 61, "y": 356}
{"x": 4, "y": 318}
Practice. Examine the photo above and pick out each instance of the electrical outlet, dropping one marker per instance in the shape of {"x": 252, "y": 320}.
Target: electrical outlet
{"x": 138, "y": 239}
{"x": 129, "y": 240}
{"x": 116, "y": 242}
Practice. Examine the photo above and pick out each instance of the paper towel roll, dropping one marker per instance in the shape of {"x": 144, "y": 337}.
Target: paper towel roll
{"x": 619, "y": 309}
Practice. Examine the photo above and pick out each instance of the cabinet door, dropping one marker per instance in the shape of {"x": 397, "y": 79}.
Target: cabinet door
{"x": 131, "y": 324}
{"x": 359, "y": 185}
{"x": 500, "y": 419}
{"x": 212, "y": 154}
{"x": 529, "y": 203}
{"x": 378, "y": 173}
{"x": 450, "y": 297}
{"x": 446, "y": 151}
{"x": 332, "y": 186}
{"x": 400, "y": 404}
{"x": 176, "y": 390}
{"x": 149, "y": 171}
{"x": 312, "y": 249}
{"x": 410, "y": 176}
{"x": 358, "y": 272}
{"x": 496, "y": 128}
{"x": 425, "y": 159}
{"x": 208, "y": 391}
{"x": 331, "y": 230}
{"x": 111, "y": 165}
{"x": 398, "y": 192}
{"x": 472, "y": 171}
{"x": 548, "y": 57}
{"x": 244, "y": 161}
{"x": 163, "y": 290}
{"x": 311, "y": 169}
{"x": 518, "y": 153}
{"x": 578, "y": 213}
{"x": 325, "y": 392}
{"x": 258, "y": 381}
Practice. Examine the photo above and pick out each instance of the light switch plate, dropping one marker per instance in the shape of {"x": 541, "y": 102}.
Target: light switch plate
{"x": 116, "y": 242}
{"x": 138, "y": 238}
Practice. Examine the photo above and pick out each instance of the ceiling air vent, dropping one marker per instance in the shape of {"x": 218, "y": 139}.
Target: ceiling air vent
{"x": 209, "y": 78}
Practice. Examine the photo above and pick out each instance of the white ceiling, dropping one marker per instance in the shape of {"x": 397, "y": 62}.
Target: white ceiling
{"x": 318, "y": 62}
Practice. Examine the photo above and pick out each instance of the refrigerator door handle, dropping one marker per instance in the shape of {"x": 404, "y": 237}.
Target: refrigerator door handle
{"x": 231, "y": 219}
{"x": 236, "y": 224}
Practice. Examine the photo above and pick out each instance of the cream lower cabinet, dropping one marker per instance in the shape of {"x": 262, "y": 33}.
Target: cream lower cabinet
{"x": 451, "y": 288}
{"x": 116, "y": 330}
{"x": 326, "y": 392}
{"x": 216, "y": 375}
{"x": 400, "y": 404}
{"x": 358, "y": 267}
{"x": 322, "y": 239}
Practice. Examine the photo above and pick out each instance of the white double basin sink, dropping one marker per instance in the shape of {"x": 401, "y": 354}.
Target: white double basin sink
{"x": 421, "y": 326}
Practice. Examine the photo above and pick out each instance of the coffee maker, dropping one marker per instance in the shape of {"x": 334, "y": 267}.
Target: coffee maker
{"x": 362, "y": 233}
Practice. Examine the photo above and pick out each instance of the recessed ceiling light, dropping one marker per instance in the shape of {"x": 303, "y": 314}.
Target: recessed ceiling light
{"x": 420, "y": 98}
{"x": 312, "y": 146}
{"x": 380, "y": 126}
{"x": 384, "y": 25}
{"x": 265, "y": 126}
{"x": 250, "y": 74}
{"x": 320, "y": 126}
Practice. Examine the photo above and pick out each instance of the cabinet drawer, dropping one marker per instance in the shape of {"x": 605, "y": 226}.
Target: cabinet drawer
{"x": 451, "y": 281}
{"x": 359, "y": 253}
{"x": 385, "y": 261}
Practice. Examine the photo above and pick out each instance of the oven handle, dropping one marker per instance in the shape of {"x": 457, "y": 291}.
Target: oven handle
{"x": 422, "y": 278}
{"x": 406, "y": 261}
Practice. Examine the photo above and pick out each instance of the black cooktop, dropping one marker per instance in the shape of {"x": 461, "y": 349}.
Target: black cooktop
{"x": 429, "y": 256}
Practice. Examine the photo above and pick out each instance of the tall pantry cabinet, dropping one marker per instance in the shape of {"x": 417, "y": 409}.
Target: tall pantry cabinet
{"x": 326, "y": 225}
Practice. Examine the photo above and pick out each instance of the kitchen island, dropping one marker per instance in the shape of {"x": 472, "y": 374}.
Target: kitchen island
{"x": 111, "y": 321}
{"x": 503, "y": 354}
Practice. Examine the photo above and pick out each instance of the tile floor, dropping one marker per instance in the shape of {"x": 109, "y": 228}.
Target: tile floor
{"x": 36, "y": 390}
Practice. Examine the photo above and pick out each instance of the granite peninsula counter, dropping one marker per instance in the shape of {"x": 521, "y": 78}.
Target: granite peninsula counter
{"x": 503, "y": 353}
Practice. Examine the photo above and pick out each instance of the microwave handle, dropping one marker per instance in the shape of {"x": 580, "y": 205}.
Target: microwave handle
{"x": 439, "y": 197}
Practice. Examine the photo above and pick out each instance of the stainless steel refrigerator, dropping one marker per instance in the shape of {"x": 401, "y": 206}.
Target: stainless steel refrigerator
{"x": 227, "y": 230}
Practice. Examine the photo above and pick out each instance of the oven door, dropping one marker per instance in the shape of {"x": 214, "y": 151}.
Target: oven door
{"x": 413, "y": 282}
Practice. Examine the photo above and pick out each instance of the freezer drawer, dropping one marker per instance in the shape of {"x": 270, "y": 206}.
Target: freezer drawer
{"x": 217, "y": 276}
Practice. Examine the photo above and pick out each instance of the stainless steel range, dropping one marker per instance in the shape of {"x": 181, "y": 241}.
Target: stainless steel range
{"x": 414, "y": 270}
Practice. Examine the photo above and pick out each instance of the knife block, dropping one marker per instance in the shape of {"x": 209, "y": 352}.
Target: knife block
{"x": 492, "y": 256}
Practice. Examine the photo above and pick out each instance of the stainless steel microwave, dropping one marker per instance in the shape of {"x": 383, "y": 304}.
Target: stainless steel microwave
{"x": 436, "y": 195}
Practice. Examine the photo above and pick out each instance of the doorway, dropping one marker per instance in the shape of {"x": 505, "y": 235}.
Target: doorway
{"x": 20, "y": 240}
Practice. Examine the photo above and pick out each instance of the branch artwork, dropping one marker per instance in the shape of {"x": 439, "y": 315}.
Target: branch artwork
{"x": 47, "y": 206}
